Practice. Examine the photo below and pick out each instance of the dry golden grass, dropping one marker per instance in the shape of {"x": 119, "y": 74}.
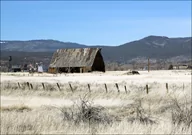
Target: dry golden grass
{"x": 135, "y": 112}
{"x": 49, "y": 120}
{"x": 155, "y": 113}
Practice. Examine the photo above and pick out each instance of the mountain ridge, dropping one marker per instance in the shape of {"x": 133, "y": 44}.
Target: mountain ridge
{"x": 150, "y": 46}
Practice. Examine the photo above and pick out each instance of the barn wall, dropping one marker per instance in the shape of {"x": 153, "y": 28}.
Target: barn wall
{"x": 52, "y": 70}
{"x": 87, "y": 69}
{"x": 71, "y": 70}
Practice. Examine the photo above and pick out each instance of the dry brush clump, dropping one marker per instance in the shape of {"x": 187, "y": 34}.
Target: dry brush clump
{"x": 181, "y": 113}
{"x": 85, "y": 112}
{"x": 141, "y": 115}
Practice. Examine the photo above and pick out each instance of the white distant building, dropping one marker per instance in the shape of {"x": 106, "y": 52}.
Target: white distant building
{"x": 181, "y": 67}
{"x": 40, "y": 69}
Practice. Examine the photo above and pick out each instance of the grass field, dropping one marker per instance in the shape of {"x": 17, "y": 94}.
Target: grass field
{"x": 97, "y": 103}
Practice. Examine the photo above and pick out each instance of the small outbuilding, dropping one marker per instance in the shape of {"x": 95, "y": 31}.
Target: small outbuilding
{"x": 16, "y": 68}
{"x": 77, "y": 61}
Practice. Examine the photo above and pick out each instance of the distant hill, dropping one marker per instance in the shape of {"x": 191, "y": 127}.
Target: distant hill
{"x": 158, "y": 47}
{"x": 151, "y": 46}
{"x": 37, "y": 45}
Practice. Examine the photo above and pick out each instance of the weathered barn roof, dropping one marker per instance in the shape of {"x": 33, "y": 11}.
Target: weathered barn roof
{"x": 80, "y": 57}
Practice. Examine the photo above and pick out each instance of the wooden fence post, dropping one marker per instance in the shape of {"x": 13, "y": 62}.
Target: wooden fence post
{"x": 28, "y": 85}
{"x": 43, "y": 86}
{"x": 147, "y": 89}
{"x": 106, "y": 87}
{"x": 58, "y": 86}
{"x": 70, "y": 87}
{"x": 89, "y": 88}
{"x": 117, "y": 87}
{"x": 125, "y": 89}
{"x": 167, "y": 87}
{"x": 31, "y": 85}
{"x": 19, "y": 85}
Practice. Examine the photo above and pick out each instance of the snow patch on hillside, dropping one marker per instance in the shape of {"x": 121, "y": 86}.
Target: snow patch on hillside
{"x": 159, "y": 44}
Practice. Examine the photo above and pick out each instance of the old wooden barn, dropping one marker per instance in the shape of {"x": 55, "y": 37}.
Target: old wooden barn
{"x": 77, "y": 61}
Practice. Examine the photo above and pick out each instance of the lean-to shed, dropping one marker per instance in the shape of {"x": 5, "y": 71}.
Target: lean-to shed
{"x": 77, "y": 60}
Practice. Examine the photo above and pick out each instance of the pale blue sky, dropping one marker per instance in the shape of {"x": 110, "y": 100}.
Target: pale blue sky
{"x": 94, "y": 22}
